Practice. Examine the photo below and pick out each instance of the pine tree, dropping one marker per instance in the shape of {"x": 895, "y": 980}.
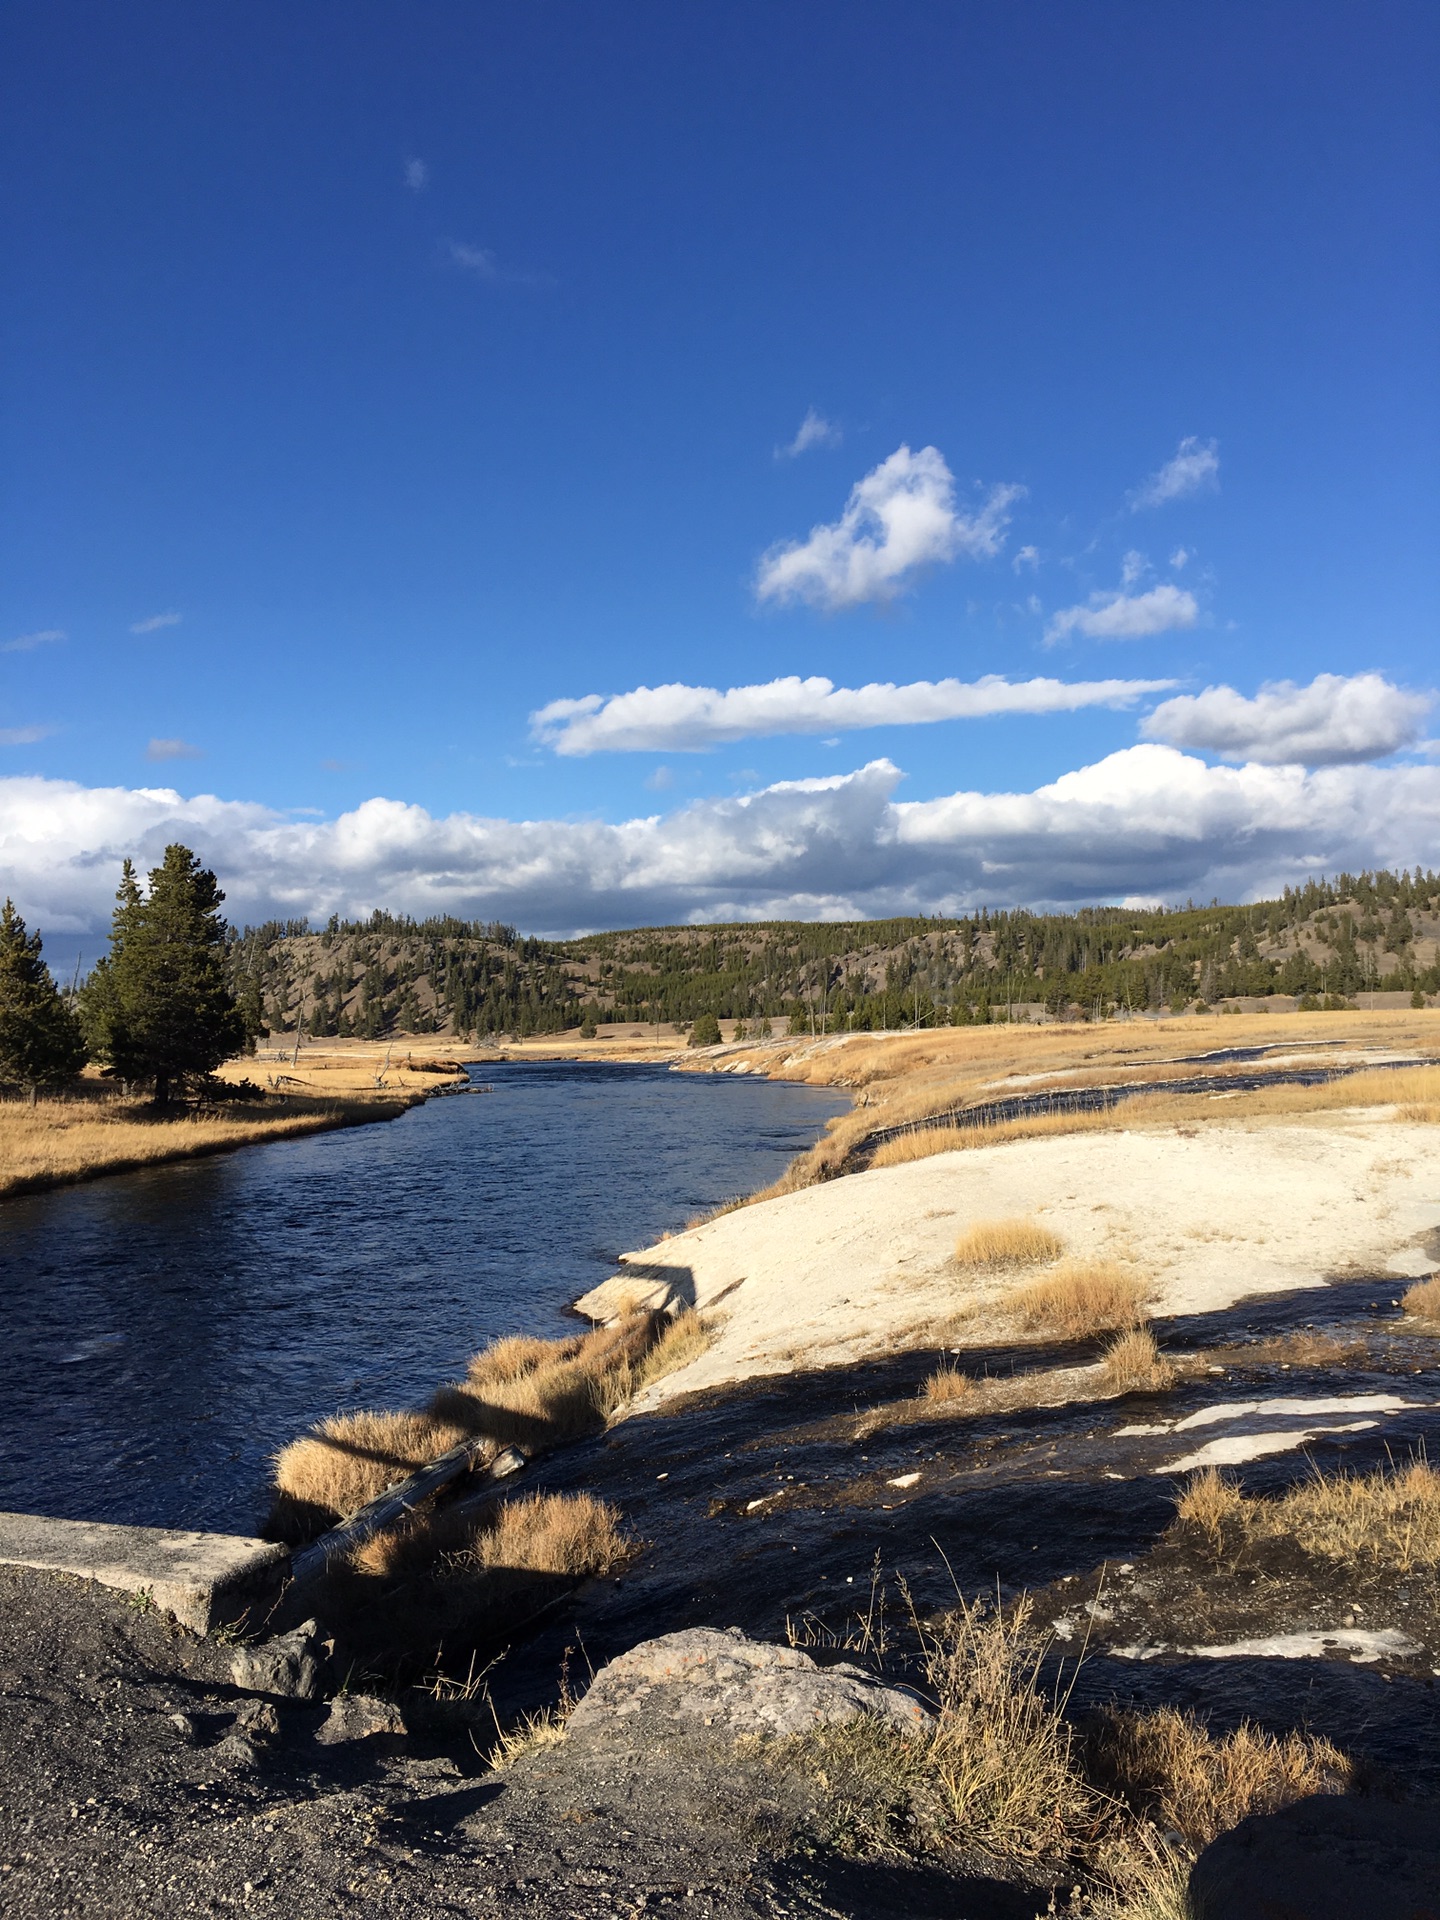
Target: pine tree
{"x": 40, "y": 1038}
{"x": 160, "y": 1008}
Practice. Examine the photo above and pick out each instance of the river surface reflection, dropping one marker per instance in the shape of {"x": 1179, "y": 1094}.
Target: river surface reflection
{"x": 166, "y": 1331}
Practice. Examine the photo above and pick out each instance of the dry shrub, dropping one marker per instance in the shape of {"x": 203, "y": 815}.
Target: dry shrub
{"x": 946, "y": 1386}
{"x": 540, "y": 1393}
{"x": 1209, "y": 1500}
{"x": 1134, "y": 1364}
{"x": 1169, "y": 1768}
{"x": 995, "y": 1244}
{"x": 1079, "y": 1298}
{"x": 1422, "y": 1301}
{"x": 516, "y": 1355}
{"x": 567, "y": 1533}
{"x": 1390, "y": 1517}
{"x": 681, "y": 1340}
{"x": 349, "y": 1459}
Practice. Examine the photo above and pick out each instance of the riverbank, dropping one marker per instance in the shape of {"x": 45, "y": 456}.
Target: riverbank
{"x": 95, "y": 1132}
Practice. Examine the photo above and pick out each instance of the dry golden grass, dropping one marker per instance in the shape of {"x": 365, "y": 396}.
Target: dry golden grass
{"x": 56, "y": 1142}
{"x": 1134, "y": 1364}
{"x": 1169, "y": 1768}
{"x": 993, "y": 1245}
{"x": 541, "y": 1393}
{"x": 926, "y": 1141}
{"x": 568, "y": 1533}
{"x": 1209, "y": 1501}
{"x": 949, "y": 1387}
{"x": 1422, "y": 1301}
{"x": 349, "y": 1459}
{"x": 1390, "y": 1518}
{"x": 1080, "y": 1298}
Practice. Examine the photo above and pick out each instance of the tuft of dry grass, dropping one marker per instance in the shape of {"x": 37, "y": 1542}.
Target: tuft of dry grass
{"x": 948, "y": 1386}
{"x": 1134, "y": 1364}
{"x": 993, "y": 1245}
{"x": 1209, "y": 1500}
{"x": 1080, "y": 1298}
{"x": 568, "y": 1533}
{"x": 1422, "y": 1301}
{"x": 925, "y": 1141}
{"x": 519, "y": 1391}
{"x": 1390, "y": 1517}
{"x": 1169, "y": 1768}
{"x": 682, "y": 1339}
{"x": 350, "y": 1459}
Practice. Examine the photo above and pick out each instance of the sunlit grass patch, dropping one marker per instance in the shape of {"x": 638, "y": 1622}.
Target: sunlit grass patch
{"x": 1134, "y": 1364}
{"x": 1390, "y": 1517}
{"x": 948, "y": 1387}
{"x": 1422, "y": 1301}
{"x": 993, "y": 1245}
{"x": 1080, "y": 1298}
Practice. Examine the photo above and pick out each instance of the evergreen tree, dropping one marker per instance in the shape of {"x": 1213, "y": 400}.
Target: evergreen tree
{"x": 160, "y": 1008}
{"x": 40, "y": 1039}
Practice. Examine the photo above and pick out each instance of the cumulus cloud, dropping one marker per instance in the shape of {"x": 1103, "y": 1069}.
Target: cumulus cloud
{"x": 1125, "y": 616}
{"x": 1149, "y": 822}
{"x": 27, "y": 642}
{"x": 1194, "y": 468}
{"x": 814, "y": 431}
{"x": 902, "y": 516}
{"x": 684, "y": 719}
{"x": 156, "y": 622}
{"x": 417, "y": 174}
{"x": 173, "y": 750}
{"x": 1335, "y": 720}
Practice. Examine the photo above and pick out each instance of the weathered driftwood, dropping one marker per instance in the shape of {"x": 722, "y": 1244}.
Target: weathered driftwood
{"x": 308, "y": 1565}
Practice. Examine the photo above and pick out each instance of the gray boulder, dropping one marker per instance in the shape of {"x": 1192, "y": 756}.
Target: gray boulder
{"x": 1325, "y": 1858}
{"x": 720, "y": 1681}
{"x": 285, "y": 1666}
{"x": 355, "y": 1716}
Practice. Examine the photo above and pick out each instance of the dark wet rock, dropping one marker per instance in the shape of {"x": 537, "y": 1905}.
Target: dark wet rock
{"x": 357, "y": 1716}
{"x": 1325, "y": 1859}
{"x": 286, "y": 1666}
{"x": 701, "y": 1678}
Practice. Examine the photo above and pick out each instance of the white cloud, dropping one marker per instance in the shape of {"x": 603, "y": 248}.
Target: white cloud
{"x": 902, "y": 516}
{"x": 417, "y": 175}
{"x": 23, "y": 736}
{"x": 173, "y": 750}
{"x": 1181, "y": 557}
{"x": 1194, "y": 468}
{"x": 156, "y": 622}
{"x": 1149, "y": 822}
{"x": 1126, "y": 616}
{"x": 814, "y": 431}
{"x": 684, "y": 719}
{"x": 1133, "y": 567}
{"x": 482, "y": 263}
{"x": 1335, "y": 720}
{"x": 27, "y": 642}
{"x": 1026, "y": 557}
{"x": 660, "y": 779}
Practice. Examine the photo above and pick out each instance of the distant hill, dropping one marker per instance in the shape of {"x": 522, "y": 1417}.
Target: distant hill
{"x": 1378, "y": 932}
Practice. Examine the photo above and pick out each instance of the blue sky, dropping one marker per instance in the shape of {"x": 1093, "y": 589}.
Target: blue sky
{"x": 377, "y": 377}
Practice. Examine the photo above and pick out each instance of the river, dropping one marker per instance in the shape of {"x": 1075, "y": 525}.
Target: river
{"x": 166, "y": 1331}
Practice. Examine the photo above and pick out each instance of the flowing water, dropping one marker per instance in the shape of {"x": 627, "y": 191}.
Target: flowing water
{"x": 165, "y": 1331}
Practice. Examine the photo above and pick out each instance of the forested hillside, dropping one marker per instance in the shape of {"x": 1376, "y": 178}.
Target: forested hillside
{"x": 1375, "y": 932}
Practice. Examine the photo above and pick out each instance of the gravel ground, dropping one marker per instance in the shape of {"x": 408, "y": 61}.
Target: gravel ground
{"x": 136, "y": 1780}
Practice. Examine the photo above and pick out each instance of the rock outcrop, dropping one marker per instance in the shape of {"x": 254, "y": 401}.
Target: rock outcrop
{"x": 722, "y": 1682}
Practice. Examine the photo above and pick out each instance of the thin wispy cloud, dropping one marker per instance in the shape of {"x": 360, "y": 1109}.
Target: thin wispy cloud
{"x": 1125, "y": 616}
{"x": 901, "y": 518}
{"x": 417, "y": 175}
{"x": 173, "y": 750}
{"x": 1026, "y": 557}
{"x": 156, "y": 621}
{"x": 1181, "y": 557}
{"x": 23, "y": 736}
{"x": 28, "y": 642}
{"x": 1194, "y": 468}
{"x": 481, "y": 263}
{"x": 1147, "y": 822}
{"x": 1336, "y": 720}
{"x": 814, "y": 431}
{"x": 685, "y": 719}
